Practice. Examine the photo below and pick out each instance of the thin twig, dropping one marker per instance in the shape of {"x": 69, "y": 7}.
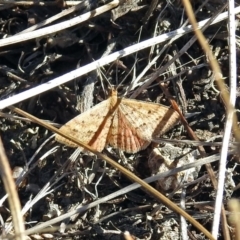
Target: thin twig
{"x": 38, "y": 3}
{"x": 224, "y": 93}
{"x": 99, "y": 63}
{"x": 13, "y": 199}
{"x": 229, "y": 119}
{"x": 58, "y": 27}
{"x": 123, "y": 191}
{"x": 156, "y": 75}
{"x": 78, "y": 7}
{"x": 114, "y": 164}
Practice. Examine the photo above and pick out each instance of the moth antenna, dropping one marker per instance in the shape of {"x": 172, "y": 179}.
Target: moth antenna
{"x": 134, "y": 77}
{"x": 103, "y": 76}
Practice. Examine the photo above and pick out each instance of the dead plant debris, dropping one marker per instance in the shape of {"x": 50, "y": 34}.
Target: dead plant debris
{"x": 54, "y": 182}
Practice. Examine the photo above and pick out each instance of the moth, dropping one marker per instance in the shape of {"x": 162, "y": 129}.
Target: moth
{"x": 126, "y": 124}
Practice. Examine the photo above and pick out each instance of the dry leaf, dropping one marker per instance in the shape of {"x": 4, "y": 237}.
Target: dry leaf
{"x": 124, "y": 7}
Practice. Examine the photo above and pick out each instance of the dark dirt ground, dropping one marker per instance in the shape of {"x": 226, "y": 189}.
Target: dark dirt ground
{"x": 39, "y": 61}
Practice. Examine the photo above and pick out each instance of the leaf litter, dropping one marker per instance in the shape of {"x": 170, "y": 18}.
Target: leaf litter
{"x": 48, "y": 188}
